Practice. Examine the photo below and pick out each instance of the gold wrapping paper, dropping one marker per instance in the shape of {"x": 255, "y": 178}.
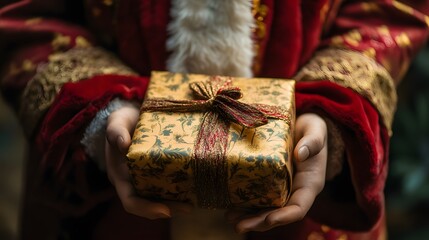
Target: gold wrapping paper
{"x": 258, "y": 159}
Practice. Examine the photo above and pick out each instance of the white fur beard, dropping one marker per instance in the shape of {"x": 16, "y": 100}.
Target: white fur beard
{"x": 211, "y": 37}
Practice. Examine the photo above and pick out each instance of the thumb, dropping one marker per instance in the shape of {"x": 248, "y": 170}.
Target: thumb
{"x": 119, "y": 130}
{"x": 118, "y": 136}
{"x": 311, "y": 133}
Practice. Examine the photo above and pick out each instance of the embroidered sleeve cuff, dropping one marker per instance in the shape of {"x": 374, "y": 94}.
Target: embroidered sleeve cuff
{"x": 356, "y": 71}
{"x": 70, "y": 66}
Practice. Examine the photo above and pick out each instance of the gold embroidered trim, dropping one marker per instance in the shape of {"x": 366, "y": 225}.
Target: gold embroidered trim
{"x": 358, "y": 72}
{"x": 71, "y": 66}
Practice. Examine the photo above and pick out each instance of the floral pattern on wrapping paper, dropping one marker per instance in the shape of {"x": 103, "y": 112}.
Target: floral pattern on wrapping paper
{"x": 258, "y": 159}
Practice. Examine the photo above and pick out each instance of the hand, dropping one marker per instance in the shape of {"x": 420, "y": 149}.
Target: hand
{"x": 310, "y": 156}
{"x": 120, "y": 126}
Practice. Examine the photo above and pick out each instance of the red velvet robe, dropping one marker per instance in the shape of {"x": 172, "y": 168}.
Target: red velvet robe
{"x": 67, "y": 196}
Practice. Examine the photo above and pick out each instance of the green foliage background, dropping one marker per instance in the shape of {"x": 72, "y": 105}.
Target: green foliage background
{"x": 407, "y": 187}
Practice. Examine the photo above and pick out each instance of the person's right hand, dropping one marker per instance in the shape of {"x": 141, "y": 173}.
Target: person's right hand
{"x": 120, "y": 126}
{"x": 310, "y": 162}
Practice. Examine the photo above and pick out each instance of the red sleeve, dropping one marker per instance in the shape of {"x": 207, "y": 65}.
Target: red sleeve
{"x": 59, "y": 173}
{"x": 63, "y": 168}
{"x": 391, "y": 33}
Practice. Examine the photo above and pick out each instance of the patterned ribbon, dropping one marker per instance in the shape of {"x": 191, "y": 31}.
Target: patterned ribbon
{"x": 218, "y": 99}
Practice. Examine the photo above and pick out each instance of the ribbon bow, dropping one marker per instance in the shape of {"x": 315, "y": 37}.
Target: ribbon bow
{"x": 213, "y": 96}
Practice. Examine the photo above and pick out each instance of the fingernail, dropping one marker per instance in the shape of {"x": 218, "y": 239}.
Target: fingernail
{"x": 303, "y": 153}
{"x": 121, "y": 140}
{"x": 120, "y": 143}
{"x": 271, "y": 222}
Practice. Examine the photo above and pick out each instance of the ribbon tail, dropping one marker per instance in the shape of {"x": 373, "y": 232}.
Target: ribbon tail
{"x": 275, "y": 112}
{"x": 209, "y": 163}
{"x": 166, "y": 105}
{"x": 240, "y": 113}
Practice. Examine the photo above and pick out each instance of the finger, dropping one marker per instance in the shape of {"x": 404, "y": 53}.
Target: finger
{"x": 296, "y": 209}
{"x": 117, "y": 171}
{"x": 300, "y": 203}
{"x": 178, "y": 207}
{"x": 311, "y": 173}
{"x": 308, "y": 183}
{"x": 309, "y": 146}
{"x": 118, "y": 136}
{"x": 234, "y": 215}
{"x": 139, "y": 206}
{"x": 116, "y": 163}
{"x": 120, "y": 126}
{"x": 255, "y": 222}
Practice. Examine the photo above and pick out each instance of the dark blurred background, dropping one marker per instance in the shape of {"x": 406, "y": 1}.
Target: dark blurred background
{"x": 12, "y": 151}
{"x": 407, "y": 189}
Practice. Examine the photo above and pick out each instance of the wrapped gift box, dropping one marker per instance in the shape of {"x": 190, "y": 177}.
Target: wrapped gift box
{"x": 196, "y": 141}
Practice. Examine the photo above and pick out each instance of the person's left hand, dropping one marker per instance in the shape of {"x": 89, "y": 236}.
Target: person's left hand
{"x": 120, "y": 126}
{"x": 310, "y": 156}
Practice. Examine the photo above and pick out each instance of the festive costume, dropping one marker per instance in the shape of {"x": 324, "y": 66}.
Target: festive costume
{"x": 347, "y": 55}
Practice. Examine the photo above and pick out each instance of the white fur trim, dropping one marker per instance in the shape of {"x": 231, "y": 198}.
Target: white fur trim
{"x": 211, "y": 37}
{"x": 95, "y": 134}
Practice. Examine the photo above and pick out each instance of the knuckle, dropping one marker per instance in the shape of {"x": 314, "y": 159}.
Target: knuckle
{"x": 301, "y": 215}
{"x": 319, "y": 187}
{"x": 127, "y": 208}
{"x": 314, "y": 144}
{"x": 112, "y": 117}
{"x": 317, "y": 143}
{"x": 152, "y": 217}
{"x": 110, "y": 130}
{"x": 315, "y": 187}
